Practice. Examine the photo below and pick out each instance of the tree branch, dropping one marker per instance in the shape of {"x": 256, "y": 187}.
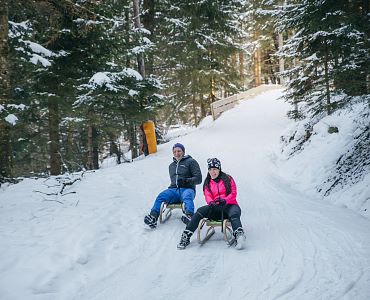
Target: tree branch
{"x": 70, "y": 8}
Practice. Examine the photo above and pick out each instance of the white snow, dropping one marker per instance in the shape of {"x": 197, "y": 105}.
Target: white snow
{"x": 132, "y": 73}
{"x": 37, "y": 48}
{"x": 308, "y": 169}
{"x": 18, "y": 29}
{"x": 99, "y": 79}
{"x": 35, "y": 59}
{"x": 110, "y": 79}
{"x": 177, "y": 131}
{"x": 92, "y": 244}
{"x": 12, "y": 119}
{"x": 133, "y": 93}
{"x": 138, "y": 49}
{"x": 18, "y": 106}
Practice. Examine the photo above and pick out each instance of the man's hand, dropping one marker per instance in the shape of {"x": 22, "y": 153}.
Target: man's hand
{"x": 183, "y": 181}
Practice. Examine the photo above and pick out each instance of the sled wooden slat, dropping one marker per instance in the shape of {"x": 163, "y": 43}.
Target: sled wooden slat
{"x": 175, "y": 205}
{"x": 213, "y": 223}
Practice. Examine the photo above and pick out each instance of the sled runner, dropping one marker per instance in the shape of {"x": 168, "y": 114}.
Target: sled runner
{"x": 210, "y": 230}
{"x": 166, "y": 210}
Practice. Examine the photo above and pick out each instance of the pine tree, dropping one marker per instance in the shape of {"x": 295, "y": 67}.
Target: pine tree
{"x": 5, "y": 146}
{"x": 53, "y": 61}
{"x": 331, "y": 44}
{"x": 197, "y": 45}
{"x": 260, "y": 25}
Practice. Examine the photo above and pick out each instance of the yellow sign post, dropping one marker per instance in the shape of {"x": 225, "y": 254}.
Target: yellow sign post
{"x": 151, "y": 139}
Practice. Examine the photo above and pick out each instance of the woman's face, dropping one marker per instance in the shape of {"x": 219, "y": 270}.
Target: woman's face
{"x": 213, "y": 172}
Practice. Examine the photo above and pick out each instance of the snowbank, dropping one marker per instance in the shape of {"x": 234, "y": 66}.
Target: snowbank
{"x": 314, "y": 167}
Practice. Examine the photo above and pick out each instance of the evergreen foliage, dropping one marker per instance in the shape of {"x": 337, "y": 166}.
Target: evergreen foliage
{"x": 260, "y": 23}
{"x": 55, "y": 81}
{"x": 76, "y": 88}
{"x": 198, "y": 42}
{"x": 329, "y": 51}
{"x": 330, "y": 43}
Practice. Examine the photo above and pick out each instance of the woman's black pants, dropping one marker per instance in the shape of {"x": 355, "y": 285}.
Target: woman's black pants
{"x": 217, "y": 213}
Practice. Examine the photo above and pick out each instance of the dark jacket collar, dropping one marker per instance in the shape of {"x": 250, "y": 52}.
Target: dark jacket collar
{"x": 217, "y": 179}
{"x": 183, "y": 158}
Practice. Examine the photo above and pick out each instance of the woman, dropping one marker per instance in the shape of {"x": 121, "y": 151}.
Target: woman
{"x": 220, "y": 192}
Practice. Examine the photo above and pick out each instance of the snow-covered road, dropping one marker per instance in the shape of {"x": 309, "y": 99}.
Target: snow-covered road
{"x": 94, "y": 246}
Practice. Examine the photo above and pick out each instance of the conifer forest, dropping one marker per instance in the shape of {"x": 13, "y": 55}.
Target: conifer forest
{"x": 79, "y": 77}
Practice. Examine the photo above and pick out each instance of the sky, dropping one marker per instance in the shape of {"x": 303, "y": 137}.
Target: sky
{"x": 90, "y": 242}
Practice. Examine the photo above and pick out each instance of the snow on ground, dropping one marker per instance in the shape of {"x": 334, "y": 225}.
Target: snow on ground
{"x": 309, "y": 169}
{"x": 93, "y": 244}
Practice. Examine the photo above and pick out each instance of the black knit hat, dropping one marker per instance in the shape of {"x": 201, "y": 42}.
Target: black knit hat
{"x": 214, "y": 163}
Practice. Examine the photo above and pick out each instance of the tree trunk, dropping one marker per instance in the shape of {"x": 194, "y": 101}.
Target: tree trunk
{"x": 95, "y": 149}
{"x": 257, "y": 63}
{"x": 90, "y": 155}
{"x": 203, "y": 110}
{"x": 148, "y": 22}
{"x": 327, "y": 83}
{"x": 195, "y": 109}
{"x": 69, "y": 146}
{"x": 257, "y": 67}
{"x": 133, "y": 140}
{"x": 241, "y": 65}
{"x": 234, "y": 61}
{"x": 92, "y": 149}
{"x": 295, "y": 101}
{"x": 281, "y": 60}
{"x": 54, "y": 153}
{"x": 212, "y": 96}
{"x": 140, "y": 56}
{"x": 127, "y": 36}
{"x": 5, "y": 145}
{"x": 89, "y": 162}
{"x": 114, "y": 149}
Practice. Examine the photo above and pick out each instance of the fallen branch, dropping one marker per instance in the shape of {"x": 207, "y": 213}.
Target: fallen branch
{"x": 47, "y": 194}
{"x": 69, "y": 193}
{"x": 68, "y": 183}
{"x": 53, "y": 201}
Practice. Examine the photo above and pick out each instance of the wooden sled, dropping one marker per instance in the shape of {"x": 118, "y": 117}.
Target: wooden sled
{"x": 166, "y": 210}
{"x": 210, "y": 226}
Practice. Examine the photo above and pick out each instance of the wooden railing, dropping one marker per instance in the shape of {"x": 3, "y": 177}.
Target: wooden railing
{"x": 218, "y": 107}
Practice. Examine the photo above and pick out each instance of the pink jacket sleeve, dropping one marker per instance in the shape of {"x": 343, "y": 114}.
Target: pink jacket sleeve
{"x": 231, "y": 198}
{"x": 208, "y": 195}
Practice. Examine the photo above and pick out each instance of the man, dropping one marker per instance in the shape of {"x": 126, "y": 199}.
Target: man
{"x": 184, "y": 173}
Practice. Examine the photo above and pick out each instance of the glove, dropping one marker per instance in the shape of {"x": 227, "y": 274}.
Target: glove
{"x": 182, "y": 181}
{"x": 212, "y": 204}
{"x": 220, "y": 202}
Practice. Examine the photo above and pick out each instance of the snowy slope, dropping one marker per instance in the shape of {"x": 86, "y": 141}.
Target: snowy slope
{"x": 93, "y": 245}
{"x": 320, "y": 163}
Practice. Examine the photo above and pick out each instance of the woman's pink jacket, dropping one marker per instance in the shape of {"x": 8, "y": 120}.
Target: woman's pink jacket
{"x": 218, "y": 190}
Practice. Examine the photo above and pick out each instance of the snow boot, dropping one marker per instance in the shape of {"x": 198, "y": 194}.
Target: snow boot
{"x": 186, "y": 218}
{"x": 151, "y": 221}
{"x": 185, "y": 239}
{"x": 240, "y": 238}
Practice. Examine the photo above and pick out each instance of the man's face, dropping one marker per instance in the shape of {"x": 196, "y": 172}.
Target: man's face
{"x": 177, "y": 153}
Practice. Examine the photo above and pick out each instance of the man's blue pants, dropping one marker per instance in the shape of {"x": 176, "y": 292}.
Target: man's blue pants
{"x": 174, "y": 195}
